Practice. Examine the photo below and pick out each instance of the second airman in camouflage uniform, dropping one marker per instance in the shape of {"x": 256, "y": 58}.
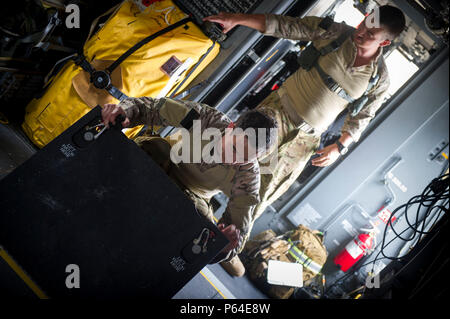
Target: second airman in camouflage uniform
{"x": 201, "y": 179}
{"x": 305, "y": 106}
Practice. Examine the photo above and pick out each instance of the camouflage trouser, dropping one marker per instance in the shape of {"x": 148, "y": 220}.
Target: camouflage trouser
{"x": 159, "y": 150}
{"x": 295, "y": 147}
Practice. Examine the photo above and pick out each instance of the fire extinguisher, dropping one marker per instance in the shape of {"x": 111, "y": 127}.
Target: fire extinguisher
{"x": 360, "y": 246}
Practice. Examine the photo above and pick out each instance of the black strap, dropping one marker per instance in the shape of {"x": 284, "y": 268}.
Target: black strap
{"x": 115, "y": 92}
{"x": 188, "y": 120}
{"x": 327, "y": 79}
{"x": 80, "y": 59}
{"x": 334, "y": 45}
{"x": 358, "y": 105}
{"x": 141, "y": 43}
{"x": 333, "y": 85}
{"x": 326, "y": 23}
{"x": 86, "y": 66}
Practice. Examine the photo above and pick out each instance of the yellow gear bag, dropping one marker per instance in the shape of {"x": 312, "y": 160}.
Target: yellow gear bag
{"x": 70, "y": 95}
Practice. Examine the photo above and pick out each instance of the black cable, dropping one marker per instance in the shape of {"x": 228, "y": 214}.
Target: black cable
{"x": 424, "y": 198}
{"x": 442, "y": 195}
{"x": 409, "y": 262}
{"x": 376, "y": 258}
{"x": 439, "y": 188}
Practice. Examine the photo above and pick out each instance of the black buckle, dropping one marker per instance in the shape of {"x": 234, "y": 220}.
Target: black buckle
{"x": 78, "y": 59}
{"x": 101, "y": 79}
{"x": 332, "y": 84}
{"x": 334, "y": 45}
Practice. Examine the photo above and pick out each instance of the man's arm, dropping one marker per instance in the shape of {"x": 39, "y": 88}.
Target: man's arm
{"x": 243, "y": 200}
{"x": 163, "y": 112}
{"x": 230, "y": 20}
{"x": 305, "y": 29}
{"x": 330, "y": 153}
{"x": 158, "y": 112}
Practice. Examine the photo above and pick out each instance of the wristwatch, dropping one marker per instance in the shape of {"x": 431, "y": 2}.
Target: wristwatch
{"x": 342, "y": 149}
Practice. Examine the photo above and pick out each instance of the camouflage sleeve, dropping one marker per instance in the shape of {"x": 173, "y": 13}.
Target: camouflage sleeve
{"x": 150, "y": 111}
{"x": 304, "y": 29}
{"x": 169, "y": 112}
{"x": 357, "y": 124}
{"x": 243, "y": 200}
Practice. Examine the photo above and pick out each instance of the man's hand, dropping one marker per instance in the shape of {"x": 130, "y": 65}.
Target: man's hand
{"x": 232, "y": 233}
{"x": 328, "y": 155}
{"x": 110, "y": 113}
{"x": 227, "y": 20}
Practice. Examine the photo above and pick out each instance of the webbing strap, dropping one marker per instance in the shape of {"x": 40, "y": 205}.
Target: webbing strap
{"x": 333, "y": 85}
{"x": 334, "y": 45}
{"x": 141, "y": 43}
{"x": 327, "y": 79}
{"x": 303, "y": 259}
{"x": 357, "y": 106}
{"x": 115, "y": 92}
{"x": 86, "y": 66}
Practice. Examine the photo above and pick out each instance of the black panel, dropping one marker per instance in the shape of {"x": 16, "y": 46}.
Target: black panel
{"x": 106, "y": 207}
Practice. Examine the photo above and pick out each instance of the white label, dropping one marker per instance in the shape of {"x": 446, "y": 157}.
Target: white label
{"x": 285, "y": 274}
{"x": 178, "y": 264}
{"x": 305, "y": 215}
{"x": 385, "y": 214}
{"x": 68, "y": 150}
{"x": 349, "y": 228}
{"x": 353, "y": 249}
{"x": 397, "y": 182}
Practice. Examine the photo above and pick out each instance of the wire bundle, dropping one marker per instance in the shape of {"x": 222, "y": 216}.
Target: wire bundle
{"x": 436, "y": 191}
{"x": 434, "y": 199}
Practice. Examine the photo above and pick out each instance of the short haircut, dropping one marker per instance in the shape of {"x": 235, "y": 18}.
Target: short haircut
{"x": 393, "y": 20}
{"x": 258, "y": 120}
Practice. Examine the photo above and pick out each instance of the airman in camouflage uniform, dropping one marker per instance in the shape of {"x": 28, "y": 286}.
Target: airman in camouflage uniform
{"x": 314, "y": 103}
{"x": 301, "y": 245}
{"x": 304, "y": 106}
{"x": 200, "y": 180}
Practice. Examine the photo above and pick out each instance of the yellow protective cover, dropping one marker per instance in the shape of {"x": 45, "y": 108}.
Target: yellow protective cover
{"x": 140, "y": 74}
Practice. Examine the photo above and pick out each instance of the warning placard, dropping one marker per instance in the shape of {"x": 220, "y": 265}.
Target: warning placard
{"x": 384, "y": 214}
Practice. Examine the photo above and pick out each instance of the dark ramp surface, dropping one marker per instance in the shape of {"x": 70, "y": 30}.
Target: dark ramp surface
{"x": 106, "y": 207}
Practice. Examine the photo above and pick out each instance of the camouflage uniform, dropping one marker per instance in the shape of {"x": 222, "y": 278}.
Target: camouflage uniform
{"x": 287, "y": 247}
{"x": 201, "y": 181}
{"x": 305, "y": 97}
{"x": 295, "y": 147}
